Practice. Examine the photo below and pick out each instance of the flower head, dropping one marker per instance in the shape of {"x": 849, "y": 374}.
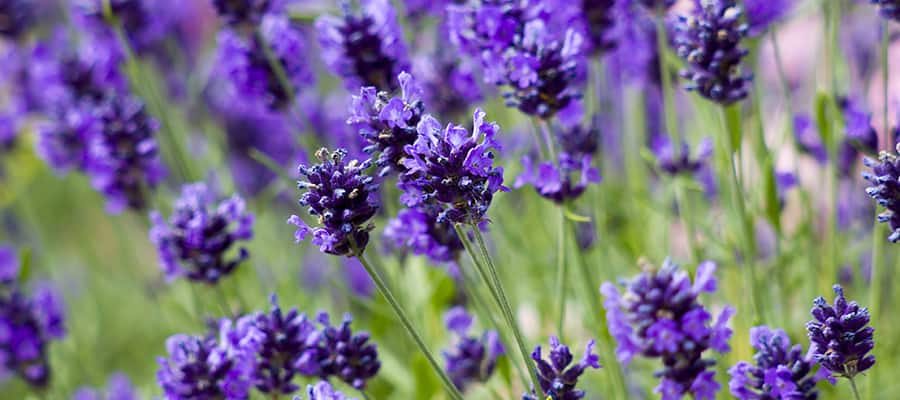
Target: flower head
{"x": 763, "y": 13}
{"x": 119, "y": 387}
{"x": 345, "y": 355}
{"x": 323, "y": 391}
{"x": 808, "y": 139}
{"x": 778, "y": 371}
{"x": 453, "y": 168}
{"x": 885, "y": 179}
{"x": 419, "y": 231}
{"x": 448, "y": 82}
{"x": 558, "y": 377}
{"x": 388, "y": 123}
{"x": 365, "y": 48}
{"x": 567, "y": 179}
{"x": 146, "y": 23}
{"x": 470, "y": 359}
{"x": 202, "y": 367}
{"x": 710, "y": 42}
{"x": 200, "y": 233}
{"x": 889, "y": 9}
{"x": 16, "y": 17}
{"x": 659, "y": 316}
{"x": 600, "y": 19}
{"x": 840, "y": 339}
{"x": 62, "y": 141}
{"x": 343, "y": 198}
{"x": 245, "y": 13}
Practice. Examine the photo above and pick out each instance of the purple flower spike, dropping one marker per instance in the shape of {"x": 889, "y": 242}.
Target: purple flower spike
{"x": 779, "y": 370}
{"x": 659, "y": 316}
{"x": 808, "y": 139}
{"x": 710, "y": 42}
{"x": 323, "y": 391}
{"x": 763, "y": 13}
{"x": 564, "y": 181}
{"x": 558, "y": 377}
{"x": 203, "y": 368}
{"x": 16, "y": 17}
{"x": 840, "y": 339}
{"x": 885, "y": 180}
{"x": 345, "y": 355}
{"x": 387, "y": 123}
{"x": 419, "y": 231}
{"x": 343, "y": 198}
{"x": 470, "y": 359}
{"x": 118, "y": 388}
{"x": 365, "y": 49}
{"x": 146, "y": 23}
{"x": 454, "y": 169}
{"x": 246, "y": 13}
{"x": 889, "y": 9}
{"x": 200, "y": 233}
{"x": 600, "y": 20}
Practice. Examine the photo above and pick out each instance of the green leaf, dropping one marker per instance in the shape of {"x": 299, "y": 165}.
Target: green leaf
{"x": 823, "y": 119}
{"x": 24, "y": 265}
{"x": 773, "y": 205}
{"x": 570, "y": 215}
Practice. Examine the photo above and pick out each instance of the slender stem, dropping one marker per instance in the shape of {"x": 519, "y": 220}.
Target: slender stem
{"x": 535, "y": 131}
{"x": 687, "y": 215}
{"x": 389, "y": 296}
{"x": 561, "y": 266}
{"x": 853, "y": 386}
{"x": 363, "y": 394}
{"x": 662, "y": 44}
{"x": 503, "y": 302}
{"x": 545, "y": 132}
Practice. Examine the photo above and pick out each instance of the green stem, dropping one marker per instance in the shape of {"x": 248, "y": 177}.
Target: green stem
{"x": 389, "y": 296}
{"x": 853, "y": 386}
{"x": 687, "y": 215}
{"x": 545, "y": 132}
{"x": 662, "y": 45}
{"x": 561, "y": 273}
{"x": 507, "y": 310}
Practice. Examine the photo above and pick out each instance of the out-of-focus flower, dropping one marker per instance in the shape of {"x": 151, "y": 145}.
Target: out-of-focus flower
{"x": 419, "y": 231}
{"x": 763, "y": 13}
{"x": 557, "y": 181}
{"x": 343, "y": 198}
{"x": 673, "y": 162}
{"x": 63, "y": 142}
{"x": 346, "y": 355}
{"x": 710, "y": 42}
{"x": 600, "y": 19}
{"x": 860, "y": 132}
{"x": 659, "y": 316}
{"x": 16, "y": 17}
{"x": 365, "y": 48}
{"x": 779, "y": 370}
{"x": 559, "y": 377}
{"x": 448, "y": 82}
{"x": 323, "y": 391}
{"x": 453, "y": 168}
{"x": 266, "y": 132}
{"x": 889, "y": 9}
{"x": 808, "y": 139}
{"x": 200, "y": 233}
{"x": 203, "y": 368}
{"x": 839, "y": 335}
{"x": 470, "y": 359}
{"x": 246, "y": 13}
{"x": 145, "y": 23}
{"x": 118, "y": 388}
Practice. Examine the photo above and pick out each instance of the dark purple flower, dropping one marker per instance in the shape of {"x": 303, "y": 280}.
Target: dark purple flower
{"x": 580, "y": 139}
{"x": 245, "y": 65}
{"x": 470, "y": 359}
{"x": 763, "y": 13}
{"x": 365, "y": 49}
{"x": 343, "y": 199}
{"x": 62, "y": 142}
{"x": 565, "y": 180}
{"x": 808, "y": 139}
{"x": 123, "y": 160}
{"x": 323, "y": 391}
{"x": 453, "y": 168}
{"x": 118, "y": 388}
{"x": 200, "y": 234}
{"x": 680, "y": 161}
{"x": 709, "y": 40}
{"x": 204, "y": 368}
{"x": 840, "y": 339}
{"x": 559, "y": 376}
{"x": 246, "y": 13}
{"x": 658, "y": 5}
{"x": 419, "y": 231}
{"x": 778, "y": 371}
{"x": 146, "y": 23}
{"x": 600, "y": 19}
{"x": 266, "y": 132}
{"x": 388, "y": 123}
{"x": 860, "y": 132}
{"x": 16, "y": 17}
{"x": 345, "y": 355}
{"x": 885, "y": 189}
{"x": 889, "y": 9}
{"x": 659, "y": 316}
{"x": 448, "y": 82}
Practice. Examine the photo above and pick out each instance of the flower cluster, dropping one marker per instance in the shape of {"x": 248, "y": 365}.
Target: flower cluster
{"x": 885, "y": 179}
{"x": 889, "y": 9}
{"x": 659, "y": 316}
{"x": 323, "y": 391}
{"x": 763, "y": 13}
{"x": 779, "y": 371}
{"x": 365, "y": 49}
{"x": 343, "y": 198}
{"x": 673, "y": 162}
{"x": 419, "y": 231}
{"x": 448, "y": 83}
{"x": 343, "y": 354}
{"x": 144, "y": 22}
{"x": 200, "y": 233}
{"x": 203, "y": 368}
{"x": 387, "y": 123}
{"x": 118, "y": 388}
{"x": 27, "y": 325}
{"x": 808, "y": 139}
{"x": 470, "y": 359}
{"x": 249, "y": 13}
{"x": 839, "y": 335}
{"x": 16, "y": 17}
{"x": 454, "y": 169}
{"x": 556, "y": 181}
{"x": 710, "y": 42}
{"x": 559, "y": 377}
{"x": 600, "y": 19}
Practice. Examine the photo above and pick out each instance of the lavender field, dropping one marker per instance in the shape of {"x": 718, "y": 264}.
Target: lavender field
{"x": 449, "y": 199}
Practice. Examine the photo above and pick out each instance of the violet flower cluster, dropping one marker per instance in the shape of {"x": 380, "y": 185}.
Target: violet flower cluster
{"x": 761, "y": 14}
{"x": 565, "y": 180}
{"x": 28, "y": 323}
{"x": 558, "y": 377}
{"x": 118, "y": 387}
{"x": 779, "y": 370}
{"x": 16, "y": 17}
{"x": 343, "y": 198}
{"x": 659, "y": 316}
{"x": 839, "y": 335}
{"x": 200, "y": 234}
{"x": 449, "y": 83}
{"x": 203, "y": 367}
{"x": 418, "y": 230}
{"x": 885, "y": 190}
{"x": 454, "y": 169}
{"x": 673, "y": 162}
{"x": 600, "y": 20}
{"x": 323, "y": 391}
{"x": 145, "y": 23}
{"x": 344, "y": 354}
{"x": 246, "y": 13}
{"x": 710, "y": 42}
{"x": 470, "y": 359}
{"x": 889, "y": 9}
{"x": 364, "y": 48}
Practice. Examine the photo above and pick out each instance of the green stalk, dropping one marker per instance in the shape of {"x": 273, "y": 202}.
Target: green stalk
{"x": 561, "y": 267}
{"x": 853, "y": 387}
{"x": 662, "y": 45}
{"x": 687, "y": 215}
{"x": 404, "y": 319}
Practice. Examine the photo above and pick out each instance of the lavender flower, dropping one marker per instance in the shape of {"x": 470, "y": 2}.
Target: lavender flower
{"x": 245, "y": 13}
{"x": 245, "y": 64}
{"x": 470, "y": 359}
{"x": 266, "y": 132}
{"x": 282, "y": 346}
{"x": 364, "y": 49}
{"x": 448, "y": 83}
{"x": 860, "y": 132}
{"x": 658, "y": 5}
{"x": 345, "y": 355}
{"x": 600, "y": 19}
{"x": 840, "y": 339}
{"x": 453, "y": 168}
{"x": 557, "y": 181}
{"x": 419, "y": 231}
{"x": 203, "y": 368}
{"x": 118, "y": 388}
{"x": 885, "y": 189}
{"x": 16, "y": 17}
{"x": 343, "y": 198}
{"x": 889, "y": 9}
{"x": 559, "y": 376}
{"x": 387, "y": 123}
{"x": 144, "y": 22}
{"x": 200, "y": 233}
{"x": 710, "y": 42}
{"x": 763, "y": 13}
{"x": 62, "y": 142}
{"x": 323, "y": 391}
{"x": 779, "y": 371}
{"x": 124, "y": 161}
{"x": 674, "y": 162}
{"x": 808, "y": 139}
{"x": 659, "y": 316}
